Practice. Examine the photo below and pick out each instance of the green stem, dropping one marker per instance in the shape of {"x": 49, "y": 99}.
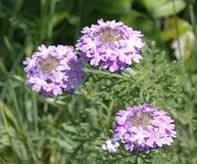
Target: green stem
{"x": 181, "y": 61}
{"x": 192, "y": 18}
{"x": 104, "y": 73}
{"x": 50, "y": 24}
{"x": 177, "y": 31}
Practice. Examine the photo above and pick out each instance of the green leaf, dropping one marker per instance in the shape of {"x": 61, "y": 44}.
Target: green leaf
{"x": 183, "y": 46}
{"x": 92, "y": 117}
{"x": 169, "y": 8}
{"x": 174, "y": 27}
{"x": 113, "y": 6}
{"x": 59, "y": 17}
{"x": 69, "y": 128}
{"x": 152, "y": 4}
{"x": 65, "y": 143}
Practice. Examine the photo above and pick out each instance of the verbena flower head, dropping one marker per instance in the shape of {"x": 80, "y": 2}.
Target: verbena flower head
{"x": 143, "y": 128}
{"x": 53, "y": 70}
{"x": 110, "y": 45}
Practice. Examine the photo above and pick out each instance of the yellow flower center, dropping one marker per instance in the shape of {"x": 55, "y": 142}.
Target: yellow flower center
{"x": 141, "y": 119}
{"x": 109, "y": 36}
{"x": 48, "y": 65}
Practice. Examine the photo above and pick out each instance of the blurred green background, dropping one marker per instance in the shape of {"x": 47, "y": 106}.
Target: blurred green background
{"x": 33, "y": 130}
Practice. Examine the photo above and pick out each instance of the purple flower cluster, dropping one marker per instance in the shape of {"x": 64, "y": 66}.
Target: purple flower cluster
{"x": 142, "y": 128}
{"x": 110, "y": 45}
{"x": 53, "y": 70}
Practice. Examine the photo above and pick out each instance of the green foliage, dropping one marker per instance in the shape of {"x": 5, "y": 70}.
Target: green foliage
{"x": 153, "y": 82}
{"x": 72, "y": 128}
{"x": 164, "y": 8}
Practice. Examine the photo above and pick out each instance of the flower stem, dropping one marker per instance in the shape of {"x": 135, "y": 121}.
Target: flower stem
{"x": 104, "y": 73}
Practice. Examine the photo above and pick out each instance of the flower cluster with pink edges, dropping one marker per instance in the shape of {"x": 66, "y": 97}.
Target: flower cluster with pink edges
{"x": 111, "y": 46}
{"x": 53, "y": 70}
{"x": 141, "y": 128}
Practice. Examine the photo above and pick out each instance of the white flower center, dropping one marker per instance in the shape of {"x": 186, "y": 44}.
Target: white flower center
{"x": 108, "y": 35}
{"x": 141, "y": 119}
{"x": 48, "y": 65}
